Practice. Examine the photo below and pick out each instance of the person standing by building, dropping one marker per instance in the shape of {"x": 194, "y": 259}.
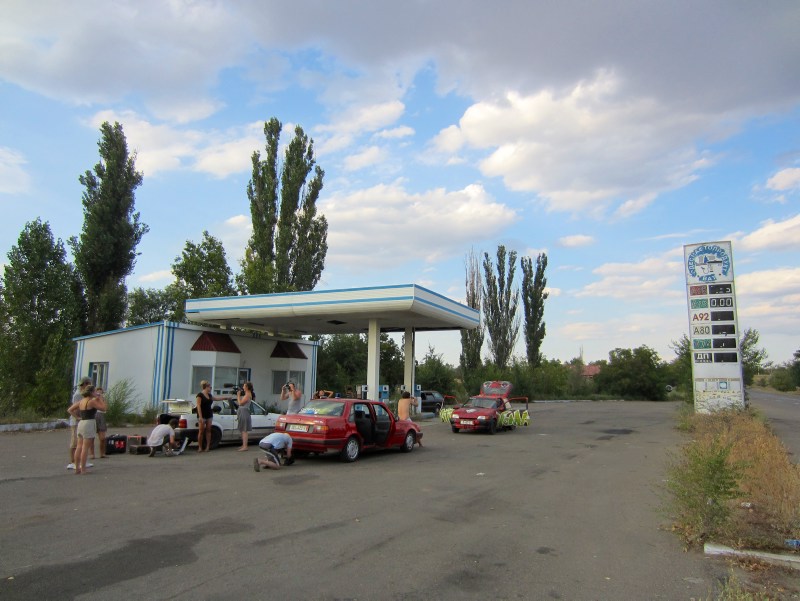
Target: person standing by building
{"x": 85, "y": 409}
{"x": 404, "y": 406}
{"x": 243, "y": 399}
{"x": 205, "y": 416}
{"x": 102, "y": 427}
{"x": 295, "y": 396}
{"x": 73, "y": 422}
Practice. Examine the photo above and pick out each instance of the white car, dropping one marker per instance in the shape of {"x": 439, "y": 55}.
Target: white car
{"x": 225, "y": 425}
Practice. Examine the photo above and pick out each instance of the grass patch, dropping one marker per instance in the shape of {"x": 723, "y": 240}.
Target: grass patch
{"x": 733, "y": 483}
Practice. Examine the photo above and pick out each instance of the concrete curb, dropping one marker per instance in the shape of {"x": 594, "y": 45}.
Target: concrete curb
{"x": 788, "y": 561}
{"x": 53, "y": 425}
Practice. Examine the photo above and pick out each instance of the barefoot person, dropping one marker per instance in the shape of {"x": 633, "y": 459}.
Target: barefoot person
{"x": 205, "y": 416}
{"x": 243, "y": 398}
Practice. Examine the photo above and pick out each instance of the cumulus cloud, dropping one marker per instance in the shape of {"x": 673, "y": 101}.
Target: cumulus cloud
{"x": 774, "y": 235}
{"x": 395, "y": 133}
{"x": 354, "y": 218}
{"x": 14, "y": 179}
{"x": 588, "y": 148}
{"x": 162, "y": 147}
{"x": 784, "y": 180}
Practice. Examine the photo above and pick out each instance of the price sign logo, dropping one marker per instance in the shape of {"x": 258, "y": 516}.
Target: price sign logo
{"x": 709, "y": 263}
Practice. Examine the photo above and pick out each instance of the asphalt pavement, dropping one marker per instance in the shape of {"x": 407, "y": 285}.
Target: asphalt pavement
{"x": 567, "y": 508}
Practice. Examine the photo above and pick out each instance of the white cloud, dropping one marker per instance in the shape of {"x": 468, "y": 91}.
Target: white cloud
{"x": 786, "y": 179}
{"x": 653, "y": 279}
{"x": 575, "y": 241}
{"x": 774, "y": 235}
{"x": 369, "y": 156}
{"x": 770, "y": 283}
{"x": 355, "y": 219}
{"x": 14, "y": 178}
{"x": 162, "y": 148}
{"x": 395, "y": 133}
{"x": 163, "y": 275}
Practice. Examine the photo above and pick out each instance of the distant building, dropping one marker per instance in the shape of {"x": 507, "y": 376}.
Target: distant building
{"x": 590, "y": 371}
{"x": 168, "y": 360}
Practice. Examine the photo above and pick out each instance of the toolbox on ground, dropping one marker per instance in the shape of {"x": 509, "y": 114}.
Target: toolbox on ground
{"x": 116, "y": 443}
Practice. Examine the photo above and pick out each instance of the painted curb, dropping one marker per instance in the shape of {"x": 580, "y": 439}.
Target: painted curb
{"x": 789, "y": 561}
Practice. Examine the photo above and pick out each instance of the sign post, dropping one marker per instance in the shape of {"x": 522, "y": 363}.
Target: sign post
{"x": 713, "y": 327}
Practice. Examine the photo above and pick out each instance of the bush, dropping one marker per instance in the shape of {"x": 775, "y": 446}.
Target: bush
{"x": 120, "y": 399}
{"x": 703, "y": 481}
{"x": 781, "y": 379}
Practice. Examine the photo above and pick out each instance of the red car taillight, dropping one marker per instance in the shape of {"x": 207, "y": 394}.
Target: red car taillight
{"x": 182, "y": 423}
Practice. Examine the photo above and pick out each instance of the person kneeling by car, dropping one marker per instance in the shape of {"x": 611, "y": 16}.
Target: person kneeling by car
{"x": 162, "y": 438}
{"x": 276, "y": 441}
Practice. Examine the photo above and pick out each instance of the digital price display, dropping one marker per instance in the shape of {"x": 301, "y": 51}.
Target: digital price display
{"x": 726, "y": 357}
{"x": 722, "y": 316}
{"x": 723, "y": 329}
{"x": 719, "y": 301}
{"x": 720, "y": 289}
{"x": 724, "y": 342}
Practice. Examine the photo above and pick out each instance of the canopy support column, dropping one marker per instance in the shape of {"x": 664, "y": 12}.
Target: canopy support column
{"x": 373, "y": 360}
{"x": 409, "y": 364}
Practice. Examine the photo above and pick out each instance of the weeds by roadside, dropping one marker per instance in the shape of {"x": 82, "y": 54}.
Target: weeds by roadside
{"x": 733, "y": 483}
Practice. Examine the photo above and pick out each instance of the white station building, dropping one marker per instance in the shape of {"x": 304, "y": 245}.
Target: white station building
{"x": 260, "y": 338}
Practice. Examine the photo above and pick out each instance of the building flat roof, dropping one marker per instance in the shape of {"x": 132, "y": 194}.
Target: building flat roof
{"x": 336, "y": 311}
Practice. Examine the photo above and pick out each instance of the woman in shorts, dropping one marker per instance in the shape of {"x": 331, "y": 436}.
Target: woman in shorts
{"x": 205, "y": 416}
{"x": 86, "y": 409}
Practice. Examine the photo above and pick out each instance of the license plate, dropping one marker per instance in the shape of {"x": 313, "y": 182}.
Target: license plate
{"x": 467, "y": 422}
{"x": 297, "y": 428}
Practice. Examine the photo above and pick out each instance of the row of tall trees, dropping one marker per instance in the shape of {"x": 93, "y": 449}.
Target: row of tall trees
{"x": 46, "y": 300}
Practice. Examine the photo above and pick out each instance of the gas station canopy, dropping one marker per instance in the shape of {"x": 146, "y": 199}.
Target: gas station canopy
{"x": 394, "y": 308}
{"x": 403, "y": 308}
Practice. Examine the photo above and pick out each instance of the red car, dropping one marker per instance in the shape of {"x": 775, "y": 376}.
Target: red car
{"x": 482, "y": 412}
{"x": 348, "y": 426}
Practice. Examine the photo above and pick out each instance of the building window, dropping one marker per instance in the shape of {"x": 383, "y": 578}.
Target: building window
{"x": 281, "y": 377}
{"x": 223, "y": 379}
{"x": 200, "y": 373}
{"x": 98, "y": 372}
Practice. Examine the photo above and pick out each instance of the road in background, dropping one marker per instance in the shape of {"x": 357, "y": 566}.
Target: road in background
{"x": 783, "y": 412}
{"x": 564, "y": 509}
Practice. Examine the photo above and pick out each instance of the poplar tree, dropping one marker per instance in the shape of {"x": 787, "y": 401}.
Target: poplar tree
{"x": 105, "y": 252}
{"x": 289, "y": 243}
{"x": 500, "y": 303}
{"x": 472, "y": 340}
{"x": 533, "y": 297}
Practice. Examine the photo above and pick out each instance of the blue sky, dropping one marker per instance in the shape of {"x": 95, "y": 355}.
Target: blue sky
{"x": 607, "y": 135}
